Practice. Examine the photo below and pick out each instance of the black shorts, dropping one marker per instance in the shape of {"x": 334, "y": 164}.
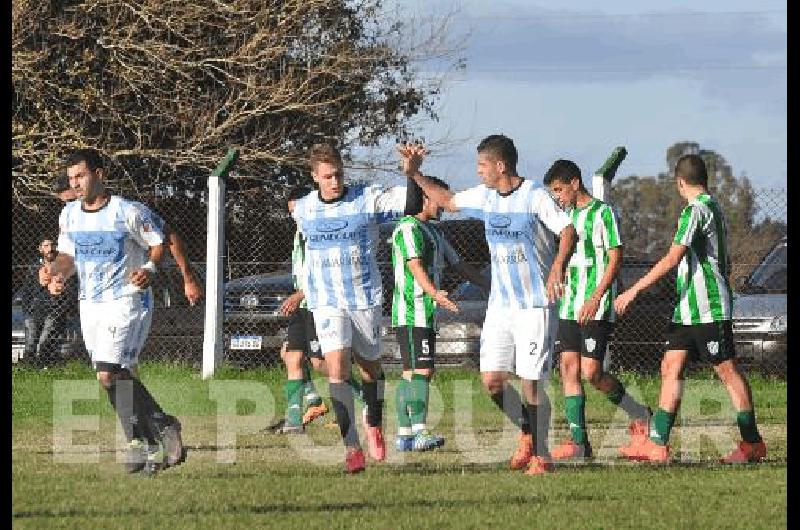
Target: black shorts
{"x": 302, "y": 335}
{"x": 590, "y": 340}
{"x": 712, "y": 343}
{"x": 417, "y": 346}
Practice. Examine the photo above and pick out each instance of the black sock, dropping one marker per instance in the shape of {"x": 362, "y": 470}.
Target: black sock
{"x": 342, "y": 401}
{"x": 120, "y": 394}
{"x": 373, "y": 399}
{"x": 539, "y": 415}
{"x": 142, "y": 403}
{"x": 509, "y": 402}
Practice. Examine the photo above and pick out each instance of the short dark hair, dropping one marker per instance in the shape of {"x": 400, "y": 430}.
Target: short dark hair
{"x": 563, "y": 171}
{"x": 92, "y": 157}
{"x": 500, "y": 146}
{"x": 692, "y": 169}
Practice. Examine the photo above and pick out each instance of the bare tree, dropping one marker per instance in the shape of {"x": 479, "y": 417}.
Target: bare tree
{"x": 164, "y": 87}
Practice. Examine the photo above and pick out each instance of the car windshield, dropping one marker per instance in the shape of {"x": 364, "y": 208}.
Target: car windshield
{"x": 770, "y": 275}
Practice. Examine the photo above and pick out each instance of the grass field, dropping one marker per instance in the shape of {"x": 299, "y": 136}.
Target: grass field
{"x": 236, "y": 477}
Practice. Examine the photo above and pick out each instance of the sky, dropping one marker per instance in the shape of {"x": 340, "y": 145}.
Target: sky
{"x": 576, "y": 80}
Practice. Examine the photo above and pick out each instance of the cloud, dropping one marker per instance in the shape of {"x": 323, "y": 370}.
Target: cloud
{"x": 556, "y": 46}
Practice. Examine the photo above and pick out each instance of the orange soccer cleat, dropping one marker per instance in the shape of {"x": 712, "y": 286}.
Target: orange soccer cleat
{"x": 747, "y": 452}
{"x": 522, "y": 456}
{"x": 354, "y": 460}
{"x": 539, "y": 466}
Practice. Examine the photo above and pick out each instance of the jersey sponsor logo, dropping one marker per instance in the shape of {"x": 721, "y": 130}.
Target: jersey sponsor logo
{"x": 590, "y": 344}
{"x": 499, "y": 221}
{"x": 330, "y": 225}
{"x": 518, "y": 256}
{"x": 339, "y": 261}
{"x": 93, "y": 246}
{"x": 89, "y": 241}
{"x": 713, "y": 347}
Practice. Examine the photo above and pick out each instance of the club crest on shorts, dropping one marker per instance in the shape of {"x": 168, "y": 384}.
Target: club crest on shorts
{"x": 590, "y": 344}
{"x": 314, "y": 345}
{"x": 713, "y": 347}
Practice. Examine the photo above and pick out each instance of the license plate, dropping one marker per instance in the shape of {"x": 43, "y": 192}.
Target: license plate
{"x": 246, "y": 342}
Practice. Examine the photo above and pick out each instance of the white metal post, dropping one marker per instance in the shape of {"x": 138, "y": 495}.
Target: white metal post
{"x": 212, "y": 334}
{"x": 601, "y": 189}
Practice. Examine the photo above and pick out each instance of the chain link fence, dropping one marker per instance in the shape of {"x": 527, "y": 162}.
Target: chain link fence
{"x": 257, "y": 275}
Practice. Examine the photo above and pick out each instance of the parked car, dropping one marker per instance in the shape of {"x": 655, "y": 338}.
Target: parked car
{"x": 759, "y": 311}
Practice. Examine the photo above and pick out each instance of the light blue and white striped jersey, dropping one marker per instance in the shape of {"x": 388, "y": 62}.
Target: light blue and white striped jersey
{"x": 341, "y": 242}
{"x": 520, "y": 229}
{"x": 107, "y": 245}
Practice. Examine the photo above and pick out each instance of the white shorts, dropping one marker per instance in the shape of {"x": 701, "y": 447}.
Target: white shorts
{"x": 115, "y": 331}
{"x": 358, "y": 329}
{"x": 519, "y": 341}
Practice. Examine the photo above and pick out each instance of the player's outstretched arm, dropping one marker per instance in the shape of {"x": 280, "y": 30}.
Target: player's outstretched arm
{"x": 440, "y": 296}
{"x": 659, "y": 270}
{"x": 411, "y": 156}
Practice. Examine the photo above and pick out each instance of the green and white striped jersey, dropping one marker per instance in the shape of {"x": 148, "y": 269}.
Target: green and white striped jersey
{"x": 298, "y": 262}
{"x": 412, "y": 238}
{"x": 704, "y": 293}
{"x": 598, "y": 232}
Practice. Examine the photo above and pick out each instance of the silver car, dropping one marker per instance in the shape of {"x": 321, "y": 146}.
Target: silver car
{"x": 759, "y": 311}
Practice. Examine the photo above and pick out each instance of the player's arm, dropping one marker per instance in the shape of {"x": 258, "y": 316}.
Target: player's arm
{"x": 421, "y": 277}
{"x": 191, "y": 285}
{"x": 555, "y": 278}
{"x": 411, "y": 156}
{"x": 590, "y": 306}
{"x": 57, "y": 273}
{"x": 659, "y": 270}
{"x": 292, "y": 302}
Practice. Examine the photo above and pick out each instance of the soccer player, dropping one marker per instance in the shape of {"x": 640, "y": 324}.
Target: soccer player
{"x": 586, "y": 312}
{"x": 701, "y": 324}
{"x": 344, "y": 290}
{"x": 114, "y": 247}
{"x": 419, "y": 252}
{"x": 521, "y": 221}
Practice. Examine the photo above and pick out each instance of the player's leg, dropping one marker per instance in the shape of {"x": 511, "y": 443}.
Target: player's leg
{"x": 655, "y": 448}
{"x": 335, "y": 333}
{"x": 423, "y": 355}
{"x": 567, "y": 345}
{"x": 534, "y": 338}
{"x": 715, "y": 344}
{"x": 594, "y": 341}
{"x": 366, "y": 353}
{"x": 496, "y": 363}
{"x": 405, "y": 438}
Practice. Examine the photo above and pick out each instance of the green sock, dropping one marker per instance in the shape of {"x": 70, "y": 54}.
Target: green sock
{"x": 310, "y": 393}
{"x": 662, "y": 424}
{"x": 419, "y": 401}
{"x": 294, "y": 401}
{"x": 401, "y": 406}
{"x": 746, "y": 419}
{"x": 576, "y": 416}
